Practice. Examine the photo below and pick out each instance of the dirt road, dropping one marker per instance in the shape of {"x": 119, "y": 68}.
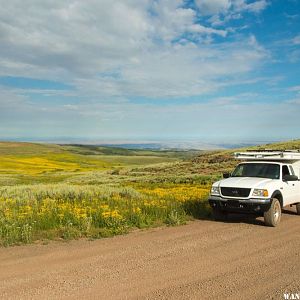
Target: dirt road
{"x": 240, "y": 259}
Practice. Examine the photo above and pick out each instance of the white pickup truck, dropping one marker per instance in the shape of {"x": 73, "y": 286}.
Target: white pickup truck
{"x": 262, "y": 184}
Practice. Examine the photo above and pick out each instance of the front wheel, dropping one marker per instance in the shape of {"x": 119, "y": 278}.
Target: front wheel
{"x": 273, "y": 215}
{"x": 298, "y": 208}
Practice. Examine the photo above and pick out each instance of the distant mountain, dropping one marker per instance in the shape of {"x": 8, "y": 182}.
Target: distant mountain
{"x": 180, "y": 145}
{"x": 191, "y": 144}
{"x": 154, "y": 146}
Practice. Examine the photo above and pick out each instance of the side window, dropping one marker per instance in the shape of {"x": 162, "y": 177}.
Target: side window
{"x": 292, "y": 170}
{"x": 285, "y": 170}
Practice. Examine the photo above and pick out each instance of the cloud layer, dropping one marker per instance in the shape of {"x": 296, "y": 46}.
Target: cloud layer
{"x": 125, "y": 48}
{"x": 168, "y": 68}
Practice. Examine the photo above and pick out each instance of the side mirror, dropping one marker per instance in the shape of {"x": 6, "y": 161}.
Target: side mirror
{"x": 290, "y": 178}
{"x": 226, "y": 175}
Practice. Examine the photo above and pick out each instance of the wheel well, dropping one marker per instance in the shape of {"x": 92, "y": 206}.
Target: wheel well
{"x": 278, "y": 196}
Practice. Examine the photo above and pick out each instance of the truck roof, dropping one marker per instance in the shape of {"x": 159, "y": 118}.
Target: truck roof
{"x": 291, "y": 156}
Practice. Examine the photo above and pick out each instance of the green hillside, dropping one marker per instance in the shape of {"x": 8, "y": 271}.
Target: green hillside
{"x": 73, "y": 191}
{"x": 33, "y": 162}
{"x": 77, "y": 164}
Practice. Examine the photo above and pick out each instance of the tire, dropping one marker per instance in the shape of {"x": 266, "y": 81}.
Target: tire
{"x": 298, "y": 208}
{"x": 273, "y": 215}
{"x": 219, "y": 215}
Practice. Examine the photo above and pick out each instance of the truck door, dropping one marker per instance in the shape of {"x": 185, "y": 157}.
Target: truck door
{"x": 290, "y": 188}
{"x": 297, "y": 185}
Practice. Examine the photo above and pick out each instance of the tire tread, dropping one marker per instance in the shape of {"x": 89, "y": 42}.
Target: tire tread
{"x": 269, "y": 214}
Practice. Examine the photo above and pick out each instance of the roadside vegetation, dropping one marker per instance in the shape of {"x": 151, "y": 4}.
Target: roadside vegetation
{"x": 42, "y": 212}
{"x": 71, "y": 191}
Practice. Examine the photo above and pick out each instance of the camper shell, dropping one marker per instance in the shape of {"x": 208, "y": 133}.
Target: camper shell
{"x": 291, "y": 157}
{"x": 263, "y": 183}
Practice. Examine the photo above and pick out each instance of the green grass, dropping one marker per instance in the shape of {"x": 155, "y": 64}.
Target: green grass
{"x": 38, "y": 159}
{"x": 38, "y": 212}
{"x": 73, "y": 191}
{"x": 27, "y": 149}
{"x": 122, "y": 160}
{"x": 114, "y": 151}
{"x": 25, "y": 163}
{"x": 35, "y": 159}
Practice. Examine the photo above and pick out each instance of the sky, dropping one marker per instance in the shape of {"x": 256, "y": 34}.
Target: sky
{"x": 211, "y": 70}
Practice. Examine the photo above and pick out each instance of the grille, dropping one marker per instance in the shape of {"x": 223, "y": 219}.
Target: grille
{"x": 235, "y": 192}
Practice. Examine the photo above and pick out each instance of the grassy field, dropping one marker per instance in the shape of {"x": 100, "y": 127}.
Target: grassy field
{"x": 72, "y": 191}
{"x": 40, "y": 212}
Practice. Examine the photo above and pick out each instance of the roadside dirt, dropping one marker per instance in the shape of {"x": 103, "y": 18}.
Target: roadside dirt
{"x": 240, "y": 259}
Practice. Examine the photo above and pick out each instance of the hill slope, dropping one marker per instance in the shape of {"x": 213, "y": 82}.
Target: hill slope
{"x": 78, "y": 164}
{"x": 82, "y": 195}
{"x": 34, "y": 162}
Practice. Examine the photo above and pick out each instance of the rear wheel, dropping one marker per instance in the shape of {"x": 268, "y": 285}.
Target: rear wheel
{"x": 298, "y": 208}
{"x": 219, "y": 215}
{"x": 273, "y": 215}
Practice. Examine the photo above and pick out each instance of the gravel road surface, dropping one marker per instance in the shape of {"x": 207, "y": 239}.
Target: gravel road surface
{"x": 239, "y": 259}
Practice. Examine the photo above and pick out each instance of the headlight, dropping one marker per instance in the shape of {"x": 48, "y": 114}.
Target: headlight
{"x": 215, "y": 190}
{"x": 260, "y": 193}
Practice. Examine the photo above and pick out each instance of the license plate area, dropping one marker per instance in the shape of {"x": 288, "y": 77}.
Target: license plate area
{"x": 233, "y": 203}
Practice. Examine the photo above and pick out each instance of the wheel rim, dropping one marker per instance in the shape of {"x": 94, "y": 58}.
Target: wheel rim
{"x": 276, "y": 212}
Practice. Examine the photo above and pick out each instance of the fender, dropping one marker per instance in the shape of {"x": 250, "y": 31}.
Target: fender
{"x": 277, "y": 194}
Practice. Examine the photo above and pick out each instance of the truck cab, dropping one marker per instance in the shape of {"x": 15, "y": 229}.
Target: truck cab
{"x": 262, "y": 184}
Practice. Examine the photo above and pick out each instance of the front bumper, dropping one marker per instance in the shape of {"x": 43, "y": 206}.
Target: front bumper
{"x": 252, "y": 205}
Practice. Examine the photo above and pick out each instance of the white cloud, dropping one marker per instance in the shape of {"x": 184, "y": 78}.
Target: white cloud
{"x": 197, "y": 28}
{"x": 116, "y": 52}
{"x": 120, "y": 119}
{"x": 222, "y": 11}
{"x": 213, "y": 7}
{"x": 294, "y": 101}
{"x": 295, "y": 88}
{"x": 294, "y": 56}
{"x": 230, "y": 7}
{"x": 255, "y": 7}
{"x": 177, "y": 71}
{"x": 122, "y": 48}
{"x": 296, "y": 40}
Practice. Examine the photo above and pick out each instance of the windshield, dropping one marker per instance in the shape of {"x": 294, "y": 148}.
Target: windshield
{"x": 263, "y": 170}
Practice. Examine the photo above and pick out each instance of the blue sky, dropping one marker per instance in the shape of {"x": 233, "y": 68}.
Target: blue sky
{"x": 211, "y": 70}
